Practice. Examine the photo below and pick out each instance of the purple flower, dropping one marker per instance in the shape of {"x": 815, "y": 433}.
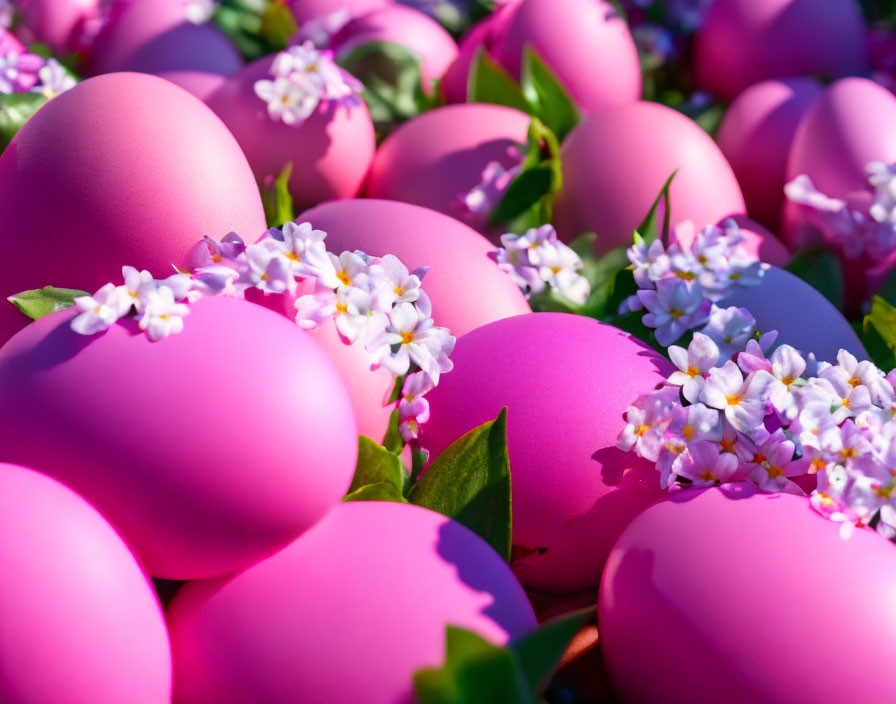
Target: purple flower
{"x": 675, "y": 307}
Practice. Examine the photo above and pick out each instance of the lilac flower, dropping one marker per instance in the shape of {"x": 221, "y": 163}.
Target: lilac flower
{"x": 693, "y": 364}
{"x": 101, "y": 310}
{"x": 289, "y": 100}
{"x": 19, "y": 72}
{"x": 730, "y": 328}
{"x": 53, "y": 79}
{"x": 393, "y": 283}
{"x": 160, "y": 315}
{"x": 304, "y": 247}
{"x": 358, "y": 319}
{"x": 316, "y": 308}
{"x": 476, "y": 206}
{"x": 742, "y": 400}
{"x": 269, "y": 269}
{"x": 650, "y": 262}
{"x": 413, "y": 408}
{"x": 675, "y": 307}
{"x": 705, "y": 465}
{"x": 351, "y": 270}
{"x": 414, "y": 338}
{"x": 773, "y": 464}
{"x": 646, "y": 421}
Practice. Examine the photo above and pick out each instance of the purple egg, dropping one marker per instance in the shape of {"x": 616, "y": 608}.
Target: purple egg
{"x": 345, "y": 614}
{"x": 638, "y": 146}
{"x": 407, "y": 27}
{"x": 803, "y": 317}
{"x": 566, "y": 381}
{"x": 151, "y": 36}
{"x": 743, "y": 42}
{"x": 331, "y": 151}
{"x": 440, "y": 156}
{"x": 727, "y": 595}
{"x": 755, "y": 137}
{"x": 200, "y": 84}
{"x": 79, "y": 620}
{"x": 208, "y": 450}
{"x": 59, "y": 24}
{"x": 305, "y": 10}
{"x": 121, "y": 169}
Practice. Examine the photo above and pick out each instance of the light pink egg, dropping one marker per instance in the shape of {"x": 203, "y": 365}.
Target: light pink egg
{"x": 759, "y": 590}
{"x": 331, "y": 151}
{"x": 306, "y": 10}
{"x": 755, "y": 137}
{"x": 616, "y": 162}
{"x": 743, "y": 42}
{"x": 209, "y": 449}
{"x": 200, "y": 84}
{"x": 345, "y": 614}
{"x": 121, "y": 169}
{"x": 803, "y": 317}
{"x": 151, "y": 36}
{"x": 566, "y": 380}
{"x": 59, "y": 24}
{"x": 466, "y": 287}
{"x": 440, "y": 156}
{"x": 758, "y": 242}
{"x": 407, "y": 27}
{"x": 79, "y": 621}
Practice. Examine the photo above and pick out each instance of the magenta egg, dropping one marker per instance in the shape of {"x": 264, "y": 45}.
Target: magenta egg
{"x": 155, "y": 35}
{"x": 566, "y": 381}
{"x": 79, "y": 621}
{"x": 465, "y": 285}
{"x": 586, "y": 44}
{"x": 331, "y": 151}
{"x": 743, "y": 42}
{"x": 437, "y": 158}
{"x": 407, "y": 27}
{"x": 345, "y": 614}
{"x": 59, "y": 24}
{"x": 803, "y": 317}
{"x": 121, "y": 169}
{"x": 306, "y": 10}
{"x": 209, "y": 449}
{"x": 200, "y": 84}
{"x": 758, "y": 589}
{"x": 638, "y": 146}
{"x": 755, "y": 137}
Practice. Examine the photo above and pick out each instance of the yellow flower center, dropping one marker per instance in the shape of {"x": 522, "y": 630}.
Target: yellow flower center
{"x": 344, "y": 278}
{"x": 774, "y": 472}
{"x": 727, "y": 445}
{"x": 733, "y": 400}
{"x": 407, "y": 338}
{"x": 708, "y": 476}
{"x": 692, "y": 372}
{"x": 293, "y": 256}
{"x": 687, "y": 432}
{"x": 854, "y": 382}
{"x": 398, "y": 290}
{"x": 643, "y": 429}
{"x": 686, "y": 275}
{"x": 342, "y": 308}
{"x": 676, "y": 313}
{"x": 816, "y": 465}
{"x": 787, "y": 380}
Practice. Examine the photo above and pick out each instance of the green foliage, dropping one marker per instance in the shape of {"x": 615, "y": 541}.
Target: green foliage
{"x": 821, "y": 269}
{"x": 15, "y": 109}
{"x": 43, "y": 301}
{"x": 375, "y": 465}
{"x": 649, "y": 229}
{"x": 256, "y": 27}
{"x": 488, "y": 82}
{"x": 277, "y": 200}
{"x": 878, "y": 333}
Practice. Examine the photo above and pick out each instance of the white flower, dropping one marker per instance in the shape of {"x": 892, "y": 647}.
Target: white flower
{"x": 693, "y": 364}
{"x": 651, "y": 263}
{"x": 415, "y": 339}
{"x": 161, "y": 316}
{"x": 742, "y": 400}
{"x": 730, "y": 328}
{"x": 269, "y": 268}
{"x": 304, "y": 247}
{"x": 292, "y": 100}
{"x": 54, "y": 79}
{"x": 101, "y": 310}
{"x": 646, "y": 421}
{"x": 350, "y": 269}
{"x": 199, "y": 11}
{"x": 393, "y": 283}
{"x": 357, "y": 317}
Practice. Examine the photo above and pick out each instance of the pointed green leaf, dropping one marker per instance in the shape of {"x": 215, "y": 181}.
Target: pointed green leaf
{"x": 821, "y": 269}
{"x": 277, "y": 200}
{"x": 381, "y": 491}
{"x": 490, "y": 83}
{"x": 538, "y": 653}
{"x": 548, "y": 99}
{"x": 475, "y": 672}
{"x": 524, "y": 191}
{"x": 882, "y": 319}
{"x": 278, "y": 25}
{"x": 648, "y": 228}
{"x": 15, "y": 109}
{"x": 393, "y": 441}
{"x": 470, "y": 482}
{"x": 43, "y": 301}
{"x": 877, "y": 349}
{"x": 376, "y": 464}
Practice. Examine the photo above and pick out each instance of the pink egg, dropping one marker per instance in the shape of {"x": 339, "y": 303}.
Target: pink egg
{"x": 57, "y": 23}
{"x": 79, "y": 622}
{"x": 803, "y": 317}
{"x": 758, "y": 590}
{"x": 200, "y": 84}
{"x": 638, "y": 146}
{"x": 404, "y": 26}
{"x": 208, "y": 450}
{"x": 566, "y": 380}
{"x": 305, "y": 10}
{"x": 151, "y": 36}
{"x": 758, "y": 242}
{"x": 345, "y": 614}
{"x": 438, "y": 157}
{"x": 743, "y": 42}
{"x": 465, "y": 285}
{"x": 755, "y": 137}
{"x": 331, "y": 151}
{"x": 121, "y": 169}
{"x": 586, "y": 44}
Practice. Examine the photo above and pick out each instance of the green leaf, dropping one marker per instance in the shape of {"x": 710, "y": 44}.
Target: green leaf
{"x": 524, "y": 191}
{"x": 376, "y": 464}
{"x": 278, "y": 25}
{"x": 877, "y": 349}
{"x": 648, "y": 229}
{"x": 43, "y": 301}
{"x": 488, "y": 82}
{"x": 470, "y": 482}
{"x": 547, "y": 98}
{"x": 821, "y": 269}
{"x": 277, "y": 200}
{"x": 393, "y": 440}
{"x": 15, "y": 109}
{"x": 475, "y": 672}
{"x": 882, "y": 319}
{"x": 540, "y": 651}
{"x": 381, "y": 491}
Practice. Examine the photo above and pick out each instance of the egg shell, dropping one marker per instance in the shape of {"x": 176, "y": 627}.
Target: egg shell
{"x": 121, "y": 169}
{"x": 331, "y": 151}
{"x": 758, "y": 589}
{"x": 79, "y": 621}
{"x": 566, "y": 381}
{"x": 436, "y": 158}
{"x": 155, "y": 35}
{"x": 743, "y": 42}
{"x": 344, "y": 614}
{"x": 585, "y": 42}
{"x": 755, "y": 136}
{"x": 803, "y": 317}
{"x": 199, "y": 84}
{"x": 57, "y": 23}
{"x": 758, "y": 242}
{"x": 638, "y": 146}
{"x": 405, "y": 26}
{"x": 466, "y": 287}
{"x": 209, "y": 449}
{"x": 305, "y": 10}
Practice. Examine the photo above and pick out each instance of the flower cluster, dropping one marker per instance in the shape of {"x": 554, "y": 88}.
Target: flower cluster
{"x": 303, "y": 79}
{"x": 865, "y": 223}
{"x": 320, "y": 30}
{"x": 22, "y": 72}
{"x": 475, "y": 206}
{"x": 537, "y": 259}
{"x": 679, "y": 288}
